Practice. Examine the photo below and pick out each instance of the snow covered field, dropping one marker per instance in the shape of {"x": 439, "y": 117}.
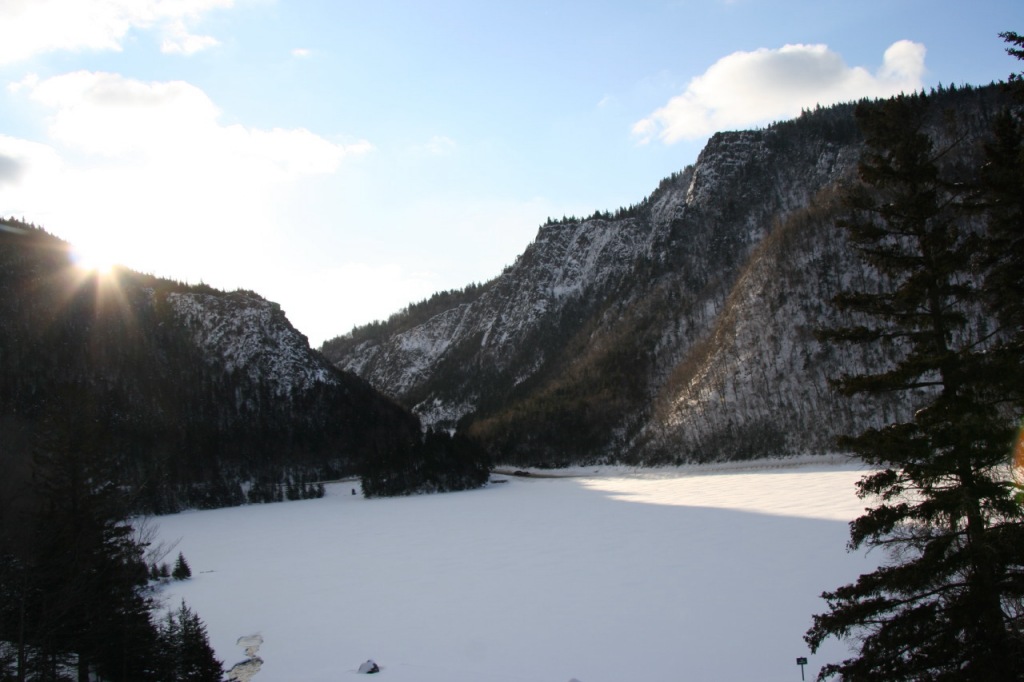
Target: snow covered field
{"x": 611, "y": 575}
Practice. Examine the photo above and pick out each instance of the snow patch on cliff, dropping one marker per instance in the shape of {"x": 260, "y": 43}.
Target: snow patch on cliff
{"x": 249, "y": 334}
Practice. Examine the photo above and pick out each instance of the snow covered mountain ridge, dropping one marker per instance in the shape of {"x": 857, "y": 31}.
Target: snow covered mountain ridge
{"x": 680, "y": 328}
{"x": 246, "y": 333}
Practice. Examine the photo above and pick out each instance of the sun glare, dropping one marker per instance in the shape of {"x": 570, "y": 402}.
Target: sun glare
{"x": 92, "y": 260}
{"x": 1018, "y": 455}
{"x": 96, "y": 270}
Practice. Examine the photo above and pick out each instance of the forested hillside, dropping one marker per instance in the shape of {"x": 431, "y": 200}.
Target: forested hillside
{"x": 123, "y": 393}
{"x": 195, "y": 397}
{"x": 679, "y": 329}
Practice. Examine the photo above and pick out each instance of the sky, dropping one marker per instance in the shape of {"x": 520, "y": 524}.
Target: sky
{"x": 345, "y": 159}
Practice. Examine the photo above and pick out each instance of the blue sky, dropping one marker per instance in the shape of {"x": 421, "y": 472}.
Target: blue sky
{"x": 347, "y": 158}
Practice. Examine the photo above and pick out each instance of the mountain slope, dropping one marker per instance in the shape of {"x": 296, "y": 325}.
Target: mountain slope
{"x": 197, "y": 397}
{"x": 680, "y": 328}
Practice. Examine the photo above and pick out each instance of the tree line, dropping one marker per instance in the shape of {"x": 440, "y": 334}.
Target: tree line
{"x": 76, "y": 591}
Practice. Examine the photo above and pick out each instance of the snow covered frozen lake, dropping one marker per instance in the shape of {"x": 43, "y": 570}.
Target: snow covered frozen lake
{"x": 697, "y": 573}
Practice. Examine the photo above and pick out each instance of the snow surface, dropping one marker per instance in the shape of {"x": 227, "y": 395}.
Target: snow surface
{"x": 700, "y": 573}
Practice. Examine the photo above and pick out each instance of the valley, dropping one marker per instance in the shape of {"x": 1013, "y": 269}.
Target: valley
{"x": 604, "y": 574}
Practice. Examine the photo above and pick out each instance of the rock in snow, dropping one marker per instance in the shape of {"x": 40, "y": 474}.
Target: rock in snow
{"x": 247, "y": 669}
{"x": 369, "y": 667}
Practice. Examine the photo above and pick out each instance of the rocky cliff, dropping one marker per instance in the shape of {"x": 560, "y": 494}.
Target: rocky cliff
{"x": 681, "y": 328}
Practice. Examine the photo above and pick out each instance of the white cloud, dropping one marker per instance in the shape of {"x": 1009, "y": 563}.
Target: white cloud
{"x": 145, "y": 172}
{"x": 301, "y": 52}
{"x": 30, "y": 27}
{"x": 749, "y": 88}
{"x": 108, "y": 115}
{"x": 179, "y": 40}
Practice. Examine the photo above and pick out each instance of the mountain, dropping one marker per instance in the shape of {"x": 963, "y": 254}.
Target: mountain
{"x": 677, "y": 329}
{"x": 194, "y": 397}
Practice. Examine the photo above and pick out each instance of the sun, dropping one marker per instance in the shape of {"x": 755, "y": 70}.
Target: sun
{"x": 93, "y": 259}
{"x": 95, "y": 270}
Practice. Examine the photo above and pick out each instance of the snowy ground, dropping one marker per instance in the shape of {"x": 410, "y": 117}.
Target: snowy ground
{"x": 683, "y": 574}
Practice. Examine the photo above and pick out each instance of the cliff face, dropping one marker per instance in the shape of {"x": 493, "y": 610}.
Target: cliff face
{"x": 242, "y": 332}
{"x": 680, "y": 328}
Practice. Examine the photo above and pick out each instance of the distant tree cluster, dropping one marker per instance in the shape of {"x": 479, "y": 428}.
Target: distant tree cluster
{"x": 623, "y": 212}
{"x": 438, "y": 462}
{"x": 159, "y": 572}
{"x": 403, "y": 320}
{"x": 286, "y": 487}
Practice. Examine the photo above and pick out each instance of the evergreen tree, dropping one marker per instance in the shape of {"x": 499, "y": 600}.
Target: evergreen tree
{"x": 185, "y": 651}
{"x": 14, "y": 579}
{"x": 182, "y": 571}
{"x": 946, "y": 605}
{"x": 80, "y": 592}
{"x": 1016, "y": 49}
{"x": 1001, "y": 251}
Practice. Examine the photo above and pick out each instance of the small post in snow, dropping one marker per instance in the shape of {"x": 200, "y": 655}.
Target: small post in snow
{"x": 801, "y": 661}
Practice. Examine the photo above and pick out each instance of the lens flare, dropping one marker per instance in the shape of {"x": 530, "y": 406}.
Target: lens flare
{"x": 95, "y": 270}
{"x": 93, "y": 260}
{"x": 1018, "y": 451}
{"x": 1017, "y": 465}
